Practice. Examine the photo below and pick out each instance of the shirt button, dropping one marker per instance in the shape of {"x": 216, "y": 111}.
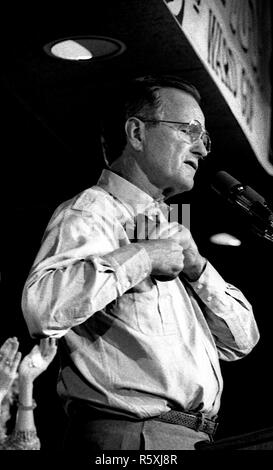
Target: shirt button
{"x": 209, "y": 298}
{"x": 198, "y": 286}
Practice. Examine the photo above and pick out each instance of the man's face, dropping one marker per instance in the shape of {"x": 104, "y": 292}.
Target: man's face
{"x": 168, "y": 160}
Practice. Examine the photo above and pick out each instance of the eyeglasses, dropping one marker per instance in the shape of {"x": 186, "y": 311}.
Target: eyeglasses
{"x": 190, "y": 132}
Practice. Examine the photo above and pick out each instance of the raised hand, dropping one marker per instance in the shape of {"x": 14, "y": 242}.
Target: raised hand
{"x": 9, "y": 361}
{"x": 38, "y": 360}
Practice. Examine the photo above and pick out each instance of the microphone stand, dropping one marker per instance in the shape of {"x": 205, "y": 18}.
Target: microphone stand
{"x": 266, "y": 233}
{"x": 259, "y": 212}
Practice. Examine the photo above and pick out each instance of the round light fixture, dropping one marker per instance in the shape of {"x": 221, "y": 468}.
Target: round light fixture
{"x": 82, "y": 48}
{"x": 225, "y": 239}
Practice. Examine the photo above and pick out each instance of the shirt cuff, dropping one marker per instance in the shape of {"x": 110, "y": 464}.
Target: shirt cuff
{"x": 209, "y": 285}
{"x": 132, "y": 271}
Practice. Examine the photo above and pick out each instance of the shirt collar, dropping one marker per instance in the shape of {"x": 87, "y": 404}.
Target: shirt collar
{"x": 136, "y": 200}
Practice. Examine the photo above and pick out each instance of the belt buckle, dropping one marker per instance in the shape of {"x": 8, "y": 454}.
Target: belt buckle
{"x": 200, "y": 420}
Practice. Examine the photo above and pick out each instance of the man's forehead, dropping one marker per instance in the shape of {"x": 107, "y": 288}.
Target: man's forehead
{"x": 181, "y": 101}
{"x": 177, "y": 95}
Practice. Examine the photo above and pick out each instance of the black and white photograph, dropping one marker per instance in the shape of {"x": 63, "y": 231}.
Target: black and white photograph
{"x": 137, "y": 256}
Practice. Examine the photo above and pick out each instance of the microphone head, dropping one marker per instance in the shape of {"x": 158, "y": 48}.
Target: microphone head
{"x": 227, "y": 186}
{"x": 224, "y": 184}
{"x": 247, "y": 200}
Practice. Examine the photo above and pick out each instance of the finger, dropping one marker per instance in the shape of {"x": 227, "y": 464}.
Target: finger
{"x": 6, "y": 346}
{"x": 51, "y": 353}
{"x": 51, "y": 350}
{"x": 43, "y": 345}
{"x": 183, "y": 236}
{"x": 53, "y": 341}
{"x": 9, "y": 349}
{"x": 53, "y": 344}
{"x": 49, "y": 342}
{"x": 14, "y": 345}
{"x": 169, "y": 232}
{"x": 34, "y": 351}
{"x": 48, "y": 346}
{"x": 15, "y": 363}
{"x": 164, "y": 231}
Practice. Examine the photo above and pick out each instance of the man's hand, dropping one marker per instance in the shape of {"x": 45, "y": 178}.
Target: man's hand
{"x": 166, "y": 256}
{"x": 192, "y": 262}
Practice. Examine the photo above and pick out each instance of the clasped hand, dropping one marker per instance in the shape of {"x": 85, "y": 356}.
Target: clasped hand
{"x": 171, "y": 249}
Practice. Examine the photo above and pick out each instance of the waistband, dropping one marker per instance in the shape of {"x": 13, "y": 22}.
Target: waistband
{"x": 196, "y": 421}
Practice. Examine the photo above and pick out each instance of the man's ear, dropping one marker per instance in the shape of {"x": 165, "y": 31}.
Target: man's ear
{"x": 135, "y": 131}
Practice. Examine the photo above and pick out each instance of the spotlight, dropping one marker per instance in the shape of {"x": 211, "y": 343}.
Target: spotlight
{"x": 84, "y": 48}
{"x": 225, "y": 239}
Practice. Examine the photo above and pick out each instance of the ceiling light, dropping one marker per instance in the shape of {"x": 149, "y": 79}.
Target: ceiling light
{"x": 225, "y": 239}
{"x": 82, "y": 48}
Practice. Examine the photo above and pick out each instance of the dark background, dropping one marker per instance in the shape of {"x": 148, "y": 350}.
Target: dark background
{"x": 51, "y": 149}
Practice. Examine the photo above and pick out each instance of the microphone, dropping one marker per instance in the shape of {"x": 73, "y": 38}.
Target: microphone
{"x": 248, "y": 200}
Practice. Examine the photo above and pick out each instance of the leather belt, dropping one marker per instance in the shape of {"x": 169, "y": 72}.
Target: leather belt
{"x": 197, "y": 421}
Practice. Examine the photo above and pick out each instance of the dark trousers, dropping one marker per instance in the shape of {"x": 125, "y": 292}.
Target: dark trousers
{"x": 90, "y": 431}
{"x": 103, "y": 434}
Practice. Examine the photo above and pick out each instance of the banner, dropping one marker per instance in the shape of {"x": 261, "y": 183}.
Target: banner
{"x": 233, "y": 40}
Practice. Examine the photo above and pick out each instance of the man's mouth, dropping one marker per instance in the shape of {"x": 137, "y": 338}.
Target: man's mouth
{"x": 192, "y": 164}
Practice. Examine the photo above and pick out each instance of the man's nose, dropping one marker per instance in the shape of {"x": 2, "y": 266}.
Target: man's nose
{"x": 198, "y": 148}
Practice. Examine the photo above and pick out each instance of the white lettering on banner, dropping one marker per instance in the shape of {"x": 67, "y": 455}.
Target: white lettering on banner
{"x": 247, "y": 98}
{"x": 233, "y": 40}
{"x": 196, "y": 5}
{"x": 222, "y": 60}
{"x": 244, "y": 22}
{"x": 220, "y": 55}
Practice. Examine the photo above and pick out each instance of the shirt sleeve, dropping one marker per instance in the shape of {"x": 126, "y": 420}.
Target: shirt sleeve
{"x": 228, "y": 314}
{"x": 82, "y": 266}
